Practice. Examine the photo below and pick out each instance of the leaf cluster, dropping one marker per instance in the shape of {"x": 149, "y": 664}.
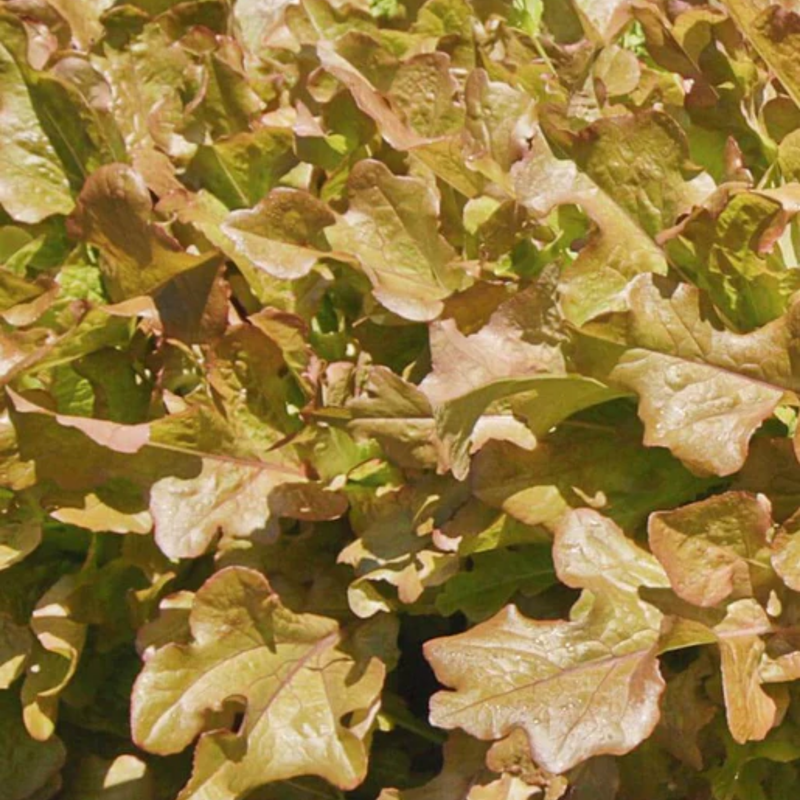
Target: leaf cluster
{"x": 399, "y": 400}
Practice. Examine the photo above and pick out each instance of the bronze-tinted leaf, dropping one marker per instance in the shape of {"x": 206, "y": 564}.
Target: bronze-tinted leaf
{"x": 579, "y": 688}
{"x": 711, "y": 549}
{"x": 751, "y": 711}
{"x": 115, "y": 214}
{"x": 703, "y": 390}
{"x": 391, "y": 229}
{"x": 302, "y": 681}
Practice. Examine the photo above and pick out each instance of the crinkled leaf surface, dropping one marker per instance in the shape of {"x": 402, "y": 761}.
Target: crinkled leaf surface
{"x": 33, "y": 185}
{"x": 398, "y": 415}
{"x": 241, "y": 169}
{"x": 751, "y": 285}
{"x": 703, "y": 390}
{"x": 391, "y": 229}
{"x": 622, "y": 189}
{"x": 283, "y": 235}
{"x": 238, "y": 499}
{"x": 785, "y": 553}
{"x": 214, "y": 492}
{"x": 710, "y": 549}
{"x": 557, "y": 680}
{"x": 334, "y": 335}
{"x": 773, "y": 31}
{"x": 751, "y": 711}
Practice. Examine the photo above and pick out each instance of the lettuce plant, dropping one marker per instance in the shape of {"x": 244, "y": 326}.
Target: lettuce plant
{"x": 399, "y": 400}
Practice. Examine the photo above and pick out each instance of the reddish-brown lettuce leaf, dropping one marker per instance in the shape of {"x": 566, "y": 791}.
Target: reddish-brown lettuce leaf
{"x": 711, "y": 549}
{"x": 703, "y": 390}
{"x": 390, "y": 227}
{"x": 297, "y": 675}
{"x": 579, "y": 688}
{"x": 114, "y": 213}
{"x": 468, "y": 326}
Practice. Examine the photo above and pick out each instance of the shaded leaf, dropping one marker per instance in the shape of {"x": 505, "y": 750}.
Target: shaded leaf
{"x": 710, "y": 550}
{"x": 772, "y": 469}
{"x": 123, "y": 778}
{"x": 396, "y": 545}
{"x": 596, "y": 462}
{"x": 493, "y": 580}
{"x": 463, "y": 770}
{"x": 114, "y": 212}
{"x": 18, "y": 538}
{"x": 734, "y": 252}
{"x": 685, "y": 711}
{"x": 541, "y": 182}
{"x": 26, "y": 766}
{"x": 53, "y": 664}
{"x": 241, "y": 169}
{"x": 398, "y": 415}
{"x": 16, "y": 643}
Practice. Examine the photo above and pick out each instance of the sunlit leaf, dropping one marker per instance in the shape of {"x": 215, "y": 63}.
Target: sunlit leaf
{"x": 579, "y": 688}
{"x": 297, "y": 674}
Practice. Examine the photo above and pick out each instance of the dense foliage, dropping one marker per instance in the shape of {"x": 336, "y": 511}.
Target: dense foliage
{"x": 399, "y": 400}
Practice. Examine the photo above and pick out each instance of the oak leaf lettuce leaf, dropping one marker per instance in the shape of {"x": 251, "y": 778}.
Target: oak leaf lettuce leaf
{"x": 697, "y": 381}
{"x": 579, "y": 688}
{"x": 714, "y": 549}
{"x": 301, "y": 680}
{"x": 196, "y": 482}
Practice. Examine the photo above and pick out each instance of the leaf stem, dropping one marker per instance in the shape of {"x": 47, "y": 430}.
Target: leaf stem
{"x": 412, "y": 725}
